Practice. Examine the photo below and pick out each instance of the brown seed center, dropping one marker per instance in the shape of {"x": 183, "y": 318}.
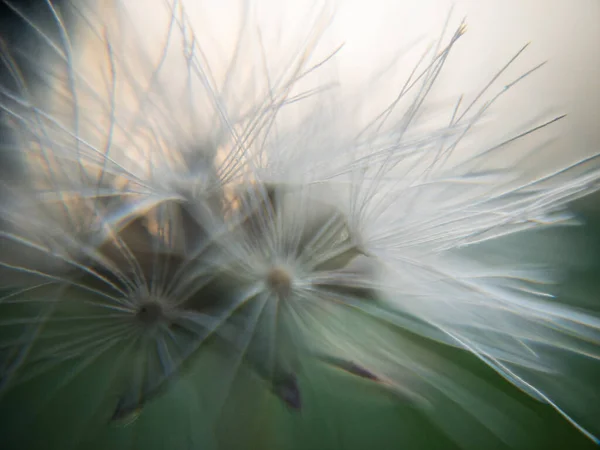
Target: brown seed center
{"x": 280, "y": 281}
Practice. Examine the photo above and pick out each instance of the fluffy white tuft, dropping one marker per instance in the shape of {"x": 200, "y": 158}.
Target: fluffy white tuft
{"x": 188, "y": 209}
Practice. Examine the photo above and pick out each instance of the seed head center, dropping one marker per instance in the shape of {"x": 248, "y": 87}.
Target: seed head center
{"x": 149, "y": 313}
{"x": 280, "y": 281}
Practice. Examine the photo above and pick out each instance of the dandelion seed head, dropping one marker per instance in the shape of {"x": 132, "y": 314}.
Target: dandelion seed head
{"x": 216, "y": 219}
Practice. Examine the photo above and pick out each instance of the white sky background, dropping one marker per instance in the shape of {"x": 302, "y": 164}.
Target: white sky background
{"x": 565, "y": 33}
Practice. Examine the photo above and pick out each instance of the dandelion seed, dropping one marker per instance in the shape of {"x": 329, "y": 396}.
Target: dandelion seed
{"x": 287, "y": 389}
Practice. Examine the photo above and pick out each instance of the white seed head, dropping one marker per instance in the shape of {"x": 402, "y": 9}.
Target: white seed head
{"x": 219, "y": 220}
